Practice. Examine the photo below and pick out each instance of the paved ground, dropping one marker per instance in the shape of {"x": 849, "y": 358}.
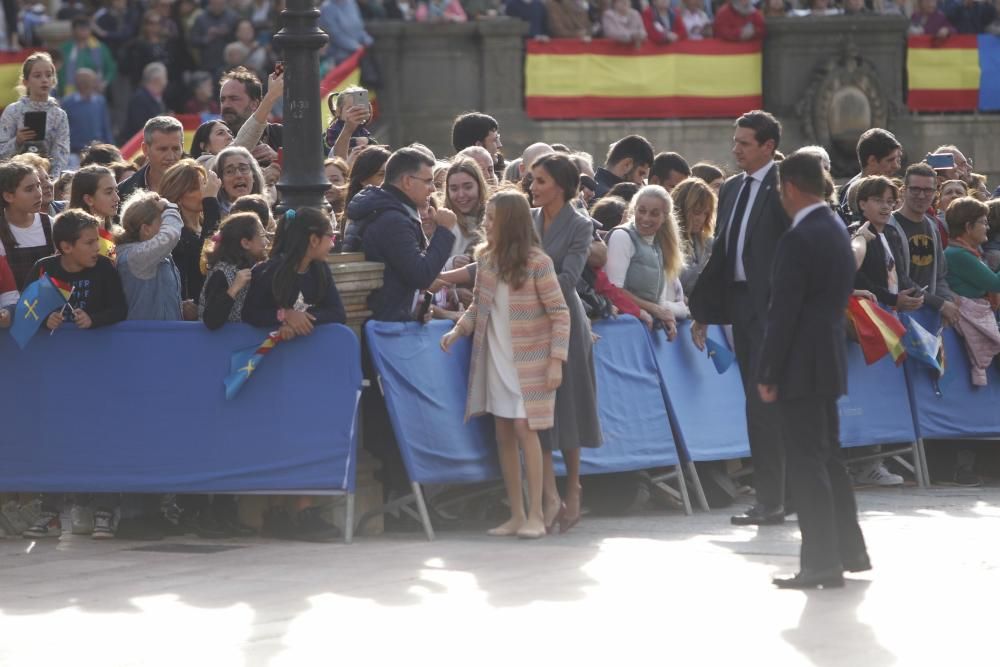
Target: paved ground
{"x": 655, "y": 589}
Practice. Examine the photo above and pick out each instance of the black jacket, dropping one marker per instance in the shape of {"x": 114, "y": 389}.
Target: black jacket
{"x": 709, "y": 300}
{"x": 136, "y": 181}
{"x": 387, "y": 228}
{"x": 873, "y": 275}
{"x": 805, "y": 345}
{"x": 605, "y": 181}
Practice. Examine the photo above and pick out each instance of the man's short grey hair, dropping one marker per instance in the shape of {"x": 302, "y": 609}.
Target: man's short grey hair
{"x": 165, "y": 124}
{"x": 152, "y": 71}
{"x": 820, "y": 152}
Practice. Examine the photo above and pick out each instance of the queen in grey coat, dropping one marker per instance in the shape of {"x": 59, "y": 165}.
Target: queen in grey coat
{"x": 566, "y": 236}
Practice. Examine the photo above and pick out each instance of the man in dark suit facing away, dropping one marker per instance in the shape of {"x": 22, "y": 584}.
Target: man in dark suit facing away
{"x": 803, "y": 370}
{"x": 735, "y": 288}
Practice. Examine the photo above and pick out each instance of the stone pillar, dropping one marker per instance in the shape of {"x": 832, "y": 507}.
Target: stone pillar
{"x": 303, "y": 180}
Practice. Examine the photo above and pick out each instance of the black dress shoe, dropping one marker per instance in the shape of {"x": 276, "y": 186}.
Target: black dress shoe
{"x": 832, "y": 578}
{"x": 760, "y": 516}
{"x": 857, "y": 563}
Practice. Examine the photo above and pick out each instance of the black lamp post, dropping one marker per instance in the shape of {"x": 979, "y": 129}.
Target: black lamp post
{"x": 303, "y": 180}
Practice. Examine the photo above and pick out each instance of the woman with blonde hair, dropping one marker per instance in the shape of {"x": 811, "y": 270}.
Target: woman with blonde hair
{"x": 645, "y": 257}
{"x": 466, "y": 193}
{"x": 194, "y": 189}
{"x": 695, "y": 205}
{"x": 517, "y": 361}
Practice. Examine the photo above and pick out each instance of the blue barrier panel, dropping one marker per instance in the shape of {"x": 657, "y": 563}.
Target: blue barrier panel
{"x": 425, "y": 391}
{"x": 708, "y": 409}
{"x": 140, "y": 407}
{"x": 634, "y": 418}
{"x": 876, "y": 409}
{"x": 961, "y": 410}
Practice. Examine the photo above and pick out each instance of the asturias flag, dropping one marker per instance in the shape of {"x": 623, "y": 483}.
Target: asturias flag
{"x": 37, "y": 300}
{"x": 921, "y": 345}
{"x": 245, "y": 362}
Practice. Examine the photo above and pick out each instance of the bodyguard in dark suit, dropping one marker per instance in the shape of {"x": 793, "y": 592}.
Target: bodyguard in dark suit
{"x": 735, "y": 288}
{"x": 803, "y": 370}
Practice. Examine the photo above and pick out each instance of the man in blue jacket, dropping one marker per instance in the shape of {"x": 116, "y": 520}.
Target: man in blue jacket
{"x": 386, "y": 227}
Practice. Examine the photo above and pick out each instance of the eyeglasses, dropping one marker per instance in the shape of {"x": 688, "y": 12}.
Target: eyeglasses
{"x": 426, "y": 181}
{"x": 242, "y": 169}
{"x": 921, "y": 192}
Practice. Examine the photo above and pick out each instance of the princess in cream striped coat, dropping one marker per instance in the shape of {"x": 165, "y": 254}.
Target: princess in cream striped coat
{"x": 520, "y": 326}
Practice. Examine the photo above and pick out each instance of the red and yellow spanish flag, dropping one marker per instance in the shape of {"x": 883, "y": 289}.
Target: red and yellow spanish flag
{"x": 879, "y": 332}
{"x": 568, "y": 78}
{"x": 10, "y": 75}
{"x": 106, "y": 244}
{"x": 65, "y": 289}
{"x": 133, "y": 147}
{"x": 943, "y": 75}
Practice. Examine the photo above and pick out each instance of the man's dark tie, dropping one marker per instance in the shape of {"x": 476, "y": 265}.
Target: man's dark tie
{"x": 732, "y": 245}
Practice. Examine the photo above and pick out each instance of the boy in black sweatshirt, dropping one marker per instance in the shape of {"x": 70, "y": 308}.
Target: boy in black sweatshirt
{"x": 97, "y": 299}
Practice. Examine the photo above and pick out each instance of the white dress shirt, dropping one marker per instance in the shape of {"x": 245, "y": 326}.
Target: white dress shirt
{"x": 756, "y": 179}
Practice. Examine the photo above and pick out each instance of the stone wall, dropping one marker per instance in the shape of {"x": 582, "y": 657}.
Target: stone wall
{"x": 433, "y": 72}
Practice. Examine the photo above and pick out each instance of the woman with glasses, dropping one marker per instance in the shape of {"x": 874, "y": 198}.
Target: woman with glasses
{"x": 972, "y": 281}
{"x": 240, "y": 175}
{"x": 882, "y": 271}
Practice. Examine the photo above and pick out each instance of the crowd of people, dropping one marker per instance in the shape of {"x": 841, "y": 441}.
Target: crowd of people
{"x": 522, "y": 254}
{"x": 127, "y": 61}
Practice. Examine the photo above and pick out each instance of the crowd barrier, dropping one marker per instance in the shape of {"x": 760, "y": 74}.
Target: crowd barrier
{"x": 140, "y": 407}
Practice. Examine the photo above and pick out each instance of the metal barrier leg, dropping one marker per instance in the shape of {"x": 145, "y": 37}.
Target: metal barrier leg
{"x": 425, "y": 518}
{"x": 699, "y": 491}
{"x": 349, "y": 519}
{"x": 682, "y": 486}
{"x": 920, "y": 457}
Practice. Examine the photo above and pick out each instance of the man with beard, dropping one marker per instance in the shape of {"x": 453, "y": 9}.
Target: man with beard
{"x": 478, "y": 129}
{"x": 628, "y": 161}
{"x": 240, "y": 94}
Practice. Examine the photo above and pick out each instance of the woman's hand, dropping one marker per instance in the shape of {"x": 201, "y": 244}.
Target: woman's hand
{"x": 241, "y": 280}
{"x": 646, "y": 319}
{"x": 24, "y": 134}
{"x": 301, "y": 323}
{"x": 554, "y": 377}
{"x": 355, "y": 117}
{"x": 449, "y": 339}
{"x": 189, "y": 310}
{"x": 210, "y": 185}
{"x": 286, "y": 333}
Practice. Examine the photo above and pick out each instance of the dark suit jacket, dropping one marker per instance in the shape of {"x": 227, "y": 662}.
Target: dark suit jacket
{"x": 805, "y": 345}
{"x": 873, "y": 275}
{"x": 767, "y": 222}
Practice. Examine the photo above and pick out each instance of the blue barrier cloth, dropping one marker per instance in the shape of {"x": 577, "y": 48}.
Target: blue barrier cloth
{"x": 954, "y": 407}
{"x": 634, "y": 420}
{"x": 140, "y": 407}
{"x": 425, "y": 392}
{"x": 708, "y": 408}
{"x": 876, "y": 409}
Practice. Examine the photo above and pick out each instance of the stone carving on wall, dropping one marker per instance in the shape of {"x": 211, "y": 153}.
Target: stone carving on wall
{"x": 844, "y": 99}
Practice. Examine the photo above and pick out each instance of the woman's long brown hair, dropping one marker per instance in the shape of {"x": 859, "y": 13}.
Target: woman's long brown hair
{"x": 511, "y": 238}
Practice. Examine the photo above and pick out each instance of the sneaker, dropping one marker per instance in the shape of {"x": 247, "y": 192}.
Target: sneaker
{"x": 875, "y": 474}
{"x": 81, "y": 520}
{"x": 48, "y": 524}
{"x": 103, "y": 525}
{"x": 966, "y": 476}
{"x": 140, "y": 528}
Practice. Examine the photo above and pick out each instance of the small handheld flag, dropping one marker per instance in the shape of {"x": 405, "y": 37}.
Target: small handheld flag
{"x": 921, "y": 345}
{"x": 720, "y": 355}
{"x": 107, "y": 244}
{"x": 879, "y": 332}
{"x": 38, "y": 300}
{"x": 244, "y": 362}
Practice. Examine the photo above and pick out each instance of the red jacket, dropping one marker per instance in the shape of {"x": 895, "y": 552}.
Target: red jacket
{"x": 729, "y": 23}
{"x": 657, "y": 26}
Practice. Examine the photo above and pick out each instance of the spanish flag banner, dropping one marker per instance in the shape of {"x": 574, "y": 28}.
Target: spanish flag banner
{"x": 569, "y": 79}
{"x": 133, "y": 147}
{"x": 878, "y": 331}
{"x": 10, "y": 75}
{"x": 961, "y": 73}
